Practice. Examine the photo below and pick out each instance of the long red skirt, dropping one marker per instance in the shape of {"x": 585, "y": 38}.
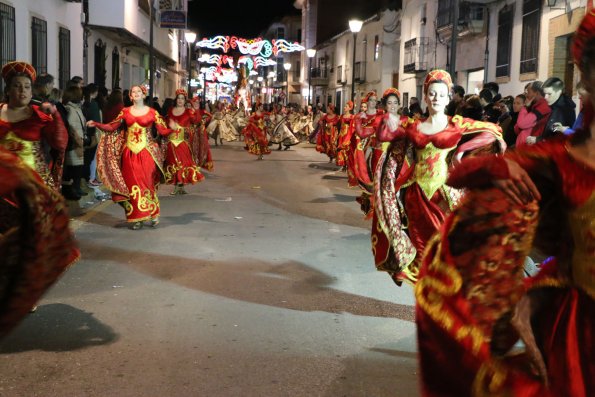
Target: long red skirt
{"x": 179, "y": 165}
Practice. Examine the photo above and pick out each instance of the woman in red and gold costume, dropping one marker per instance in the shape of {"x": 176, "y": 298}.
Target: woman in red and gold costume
{"x": 345, "y": 136}
{"x": 352, "y": 180}
{"x": 200, "y": 143}
{"x": 473, "y": 302}
{"x": 364, "y": 156}
{"x": 180, "y": 168}
{"x": 411, "y": 198}
{"x": 129, "y": 161}
{"x": 25, "y": 128}
{"x": 255, "y": 135}
{"x": 326, "y": 141}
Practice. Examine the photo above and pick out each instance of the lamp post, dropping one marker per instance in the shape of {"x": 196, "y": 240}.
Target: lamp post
{"x": 260, "y": 79}
{"x": 190, "y": 39}
{"x": 355, "y": 25}
{"x": 311, "y": 52}
{"x": 287, "y": 67}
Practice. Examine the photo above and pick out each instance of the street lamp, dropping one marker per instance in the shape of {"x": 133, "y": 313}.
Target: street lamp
{"x": 287, "y": 67}
{"x": 190, "y": 39}
{"x": 311, "y": 52}
{"x": 355, "y": 25}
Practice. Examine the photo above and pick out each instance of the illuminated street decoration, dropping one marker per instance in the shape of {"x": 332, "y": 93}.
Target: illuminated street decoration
{"x": 282, "y": 45}
{"x": 244, "y": 60}
{"x": 253, "y": 47}
{"x": 261, "y": 61}
{"x": 213, "y": 59}
{"x": 215, "y": 43}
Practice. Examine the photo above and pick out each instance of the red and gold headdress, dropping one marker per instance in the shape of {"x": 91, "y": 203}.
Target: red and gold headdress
{"x": 368, "y": 95}
{"x": 437, "y": 76}
{"x": 13, "y": 68}
{"x": 391, "y": 91}
{"x": 349, "y": 105}
{"x": 584, "y": 33}
{"x": 142, "y": 88}
{"x": 181, "y": 91}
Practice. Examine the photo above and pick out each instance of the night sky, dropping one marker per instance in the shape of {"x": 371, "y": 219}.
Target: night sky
{"x": 236, "y": 18}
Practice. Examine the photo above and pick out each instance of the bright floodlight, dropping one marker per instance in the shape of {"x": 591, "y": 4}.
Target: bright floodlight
{"x": 355, "y": 25}
{"x": 250, "y": 82}
{"x": 259, "y": 78}
{"x": 311, "y": 52}
{"x": 190, "y": 37}
{"x": 287, "y": 66}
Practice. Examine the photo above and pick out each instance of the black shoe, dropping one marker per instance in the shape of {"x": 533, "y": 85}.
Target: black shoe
{"x": 69, "y": 193}
{"x": 80, "y": 192}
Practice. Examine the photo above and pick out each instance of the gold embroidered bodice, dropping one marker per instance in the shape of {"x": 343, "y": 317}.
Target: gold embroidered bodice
{"x": 21, "y": 147}
{"x": 136, "y": 138}
{"x": 177, "y": 136}
{"x": 431, "y": 168}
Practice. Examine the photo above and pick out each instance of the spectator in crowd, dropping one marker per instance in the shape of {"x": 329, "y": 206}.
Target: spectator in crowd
{"x": 472, "y": 108}
{"x": 76, "y": 81}
{"x": 114, "y": 105}
{"x": 584, "y": 97}
{"x": 506, "y": 121}
{"x": 91, "y": 111}
{"x": 533, "y": 116}
{"x": 490, "y": 113}
{"x": 42, "y": 87}
{"x": 74, "y": 159}
{"x": 494, "y": 89}
{"x": 562, "y": 107}
{"x": 155, "y": 105}
{"x": 458, "y": 95}
{"x": 126, "y": 96}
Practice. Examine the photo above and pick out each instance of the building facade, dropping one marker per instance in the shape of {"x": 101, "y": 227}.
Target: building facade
{"x": 48, "y": 34}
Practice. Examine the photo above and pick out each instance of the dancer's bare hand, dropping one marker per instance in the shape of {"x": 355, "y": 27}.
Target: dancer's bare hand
{"x": 518, "y": 187}
{"x": 521, "y": 321}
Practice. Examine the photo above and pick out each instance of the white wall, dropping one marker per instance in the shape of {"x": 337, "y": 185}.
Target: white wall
{"x": 57, "y": 13}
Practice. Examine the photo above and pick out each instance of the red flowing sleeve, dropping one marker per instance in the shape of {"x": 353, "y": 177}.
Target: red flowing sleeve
{"x": 114, "y": 124}
{"x": 160, "y": 125}
{"x": 54, "y": 132}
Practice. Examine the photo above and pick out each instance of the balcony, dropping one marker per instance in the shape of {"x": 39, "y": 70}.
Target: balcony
{"x": 359, "y": 72}
{"x": 415, "y": 55}
{"x": 472, "y": 19}
{"x": 319, "y": 77}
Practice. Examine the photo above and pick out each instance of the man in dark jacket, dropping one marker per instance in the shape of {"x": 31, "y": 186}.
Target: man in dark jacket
{"x": 562, "y": 106}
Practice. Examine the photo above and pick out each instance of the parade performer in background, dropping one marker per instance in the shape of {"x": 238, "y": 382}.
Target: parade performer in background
{"x": 345, "y": 135}
{"x": 255, "y": 135}
{"x": 220, "y": 128}
{"x": 280, "y": 132}
{"x": 301, "y": 123}
{"x": 242, "y": 99}
{"x": 129, "y": 161}
{"x": 352, "y": 180}
{"x": 473, "y": 302}
{"x": 326, "y": 140}
{"x": 364, "y": 155}
{"x": 411, "y": 198}
{"x": 27, "y": 129}
{"x": 200, "y": 142}
{"x": 36, "y": 245}
{"x": 180, "y": 167}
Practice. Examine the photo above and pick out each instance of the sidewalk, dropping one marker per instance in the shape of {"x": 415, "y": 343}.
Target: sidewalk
{"x": 95, "y": 196}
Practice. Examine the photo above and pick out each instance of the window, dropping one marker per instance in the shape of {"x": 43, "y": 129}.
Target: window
{"x": 280, "y": 70}
{"x": 376, "y": 48}
{"x": 115, "y": 68}
{"x": 444, "y": 16}
{"x": 144, "y": 5}
{"x": 299, "y": 35}
{"x": 63, "y": 57}
{"x": 530, "y": 37}
{"x": 280, "y": 33}
{"x": 39, "y": 44}
{"x": 505, "y": 17}
{"x": 297, "y": 69}
{"x": 7, "y": 37}
{"x": 340, "y": 74}
{"x": 99, "y": 72}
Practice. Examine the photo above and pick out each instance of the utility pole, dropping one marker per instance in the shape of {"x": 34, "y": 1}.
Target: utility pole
{"x": 151, "y": 52}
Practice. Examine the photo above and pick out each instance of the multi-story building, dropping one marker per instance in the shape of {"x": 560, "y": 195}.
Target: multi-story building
{"x": 118, "y": 42}
{"x": 339, "y": 69}
{"x": 283, "y": 85}
{"x": 506, "y": 41}
{"x": 48, "y": 34}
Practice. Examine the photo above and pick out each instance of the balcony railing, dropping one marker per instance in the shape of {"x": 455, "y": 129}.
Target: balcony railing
{"x": 415, "y": 55}
{"x": 472, "y": 19}
{"x": 319, "y": 76}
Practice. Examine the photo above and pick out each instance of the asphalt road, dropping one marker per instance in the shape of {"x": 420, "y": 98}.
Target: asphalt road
{"x": 260, "y": 282}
